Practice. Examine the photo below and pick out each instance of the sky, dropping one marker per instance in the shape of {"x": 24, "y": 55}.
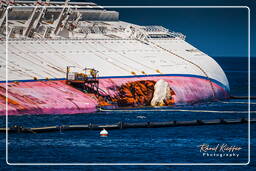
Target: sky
{"x": 217, "y": 32}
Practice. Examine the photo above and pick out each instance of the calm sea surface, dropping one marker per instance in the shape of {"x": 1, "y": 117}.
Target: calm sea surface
{"x": 154, "y": 145}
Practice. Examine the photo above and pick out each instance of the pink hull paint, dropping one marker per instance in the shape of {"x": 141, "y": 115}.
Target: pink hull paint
{"x": 55, "y": 97}
{"x": 187, "y": 89}
{"x": 45, "y": 97}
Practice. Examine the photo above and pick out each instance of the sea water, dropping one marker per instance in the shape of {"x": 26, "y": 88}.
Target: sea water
{"x": 151, "y": 145}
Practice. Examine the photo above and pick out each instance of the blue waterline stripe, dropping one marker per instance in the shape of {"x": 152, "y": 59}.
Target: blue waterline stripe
{"x": 132, "y": 76}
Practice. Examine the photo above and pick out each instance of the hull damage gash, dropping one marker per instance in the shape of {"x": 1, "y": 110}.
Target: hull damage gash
{"x": 133, "y": 62}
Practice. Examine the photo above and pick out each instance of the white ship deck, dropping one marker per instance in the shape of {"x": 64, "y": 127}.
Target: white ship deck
{"x": 49, "y": 58}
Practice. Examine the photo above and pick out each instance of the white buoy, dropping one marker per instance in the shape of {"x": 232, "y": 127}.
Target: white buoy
{"x": 103, "y": 133}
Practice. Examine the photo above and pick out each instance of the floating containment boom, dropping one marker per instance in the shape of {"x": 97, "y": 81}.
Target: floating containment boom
{"x": 122, "y": 125}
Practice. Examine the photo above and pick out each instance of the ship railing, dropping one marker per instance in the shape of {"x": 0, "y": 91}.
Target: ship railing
{"x": 169, "y": 35}
{"x": 163, "y": 31}
{"x": 64, "y": 39}
{"x": 78, "y": 38}
{"x": 56, "y": 3}
{"x": 177, "y": 35}
{"x": 155, "y": 29}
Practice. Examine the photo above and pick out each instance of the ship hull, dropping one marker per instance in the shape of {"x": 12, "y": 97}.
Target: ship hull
{"x": 56, "y": 97}
{"x": 40, "y": 52}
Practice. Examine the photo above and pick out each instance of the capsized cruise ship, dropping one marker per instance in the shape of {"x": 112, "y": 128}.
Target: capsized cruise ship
{"x": 39, "y": 40}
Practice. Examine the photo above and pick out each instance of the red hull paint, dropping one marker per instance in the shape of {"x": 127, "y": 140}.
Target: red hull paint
{"x": 55, "y": 97}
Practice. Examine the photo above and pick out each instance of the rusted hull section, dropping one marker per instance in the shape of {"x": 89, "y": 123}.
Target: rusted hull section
{"x": 187, "y": 89}
{"x": 56, "y": 97}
